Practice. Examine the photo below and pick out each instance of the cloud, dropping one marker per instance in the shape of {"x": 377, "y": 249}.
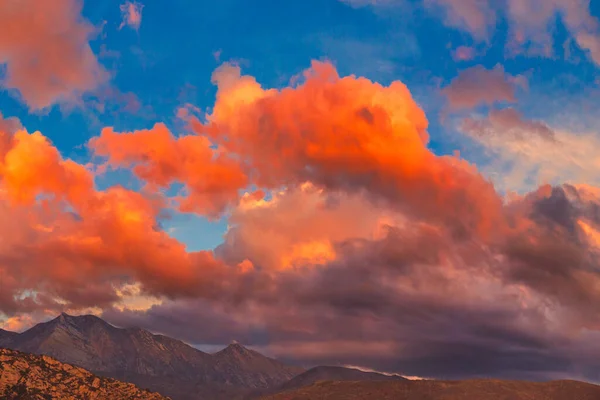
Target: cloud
{"x": 464, "y": 53}
{"x": 132, "y": 14}
{"x": 70, "y": 245}
{"x": 212, "y": 180}
{"x": 480, "y": 86}
{"x": 509, "y": 123}
{"x": 525, "y": 153}
{"x": 45, "y": 47}
{"x": 415, "y": 298}
{"x": 320, "y": 133}
{"x": 475, "y": 16}
{"x": 531, "y": 23}
{"x": 299, "y": 227}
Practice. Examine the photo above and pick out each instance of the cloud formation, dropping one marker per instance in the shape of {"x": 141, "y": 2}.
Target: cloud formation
{"x": 45, "y": 48}
{"x": 131, "y": 12}
{"x": 480, "y": 86}
{"x": 525, "y": 153}
{"x": 531, "y": 23}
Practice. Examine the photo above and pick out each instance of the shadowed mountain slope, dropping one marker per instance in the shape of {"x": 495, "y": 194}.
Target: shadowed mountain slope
{"x": 6, "y": 337}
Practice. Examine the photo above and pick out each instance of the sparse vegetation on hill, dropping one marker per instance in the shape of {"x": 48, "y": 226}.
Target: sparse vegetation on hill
{"x": 29, "y": 377}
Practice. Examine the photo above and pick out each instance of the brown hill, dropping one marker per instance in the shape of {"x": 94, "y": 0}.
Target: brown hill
{"x": 158, "y": 362}
{"x": 443, "y": 390}
{"x": 30, "y": 377}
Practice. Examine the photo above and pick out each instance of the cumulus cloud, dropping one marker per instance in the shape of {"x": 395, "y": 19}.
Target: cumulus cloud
{"x": 213, "y": 180}
{"x": 45, "y": 48}
{"x": 70, "y": 244}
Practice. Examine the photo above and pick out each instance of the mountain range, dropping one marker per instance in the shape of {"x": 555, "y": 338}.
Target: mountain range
{"x": 174, "y": 369}
{"x": 156, "y": 362}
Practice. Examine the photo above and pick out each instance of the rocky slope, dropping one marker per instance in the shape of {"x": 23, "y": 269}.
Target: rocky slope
{"x": 27, "y": 376}
{"x": 440, "y": 390}
{"x": 160, "y": 363}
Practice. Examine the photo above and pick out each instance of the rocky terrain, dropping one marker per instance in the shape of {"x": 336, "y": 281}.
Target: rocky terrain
{"x": 442, "y": 390}
{"x": 30, "y": 377}
{"x": 157, "y": 362}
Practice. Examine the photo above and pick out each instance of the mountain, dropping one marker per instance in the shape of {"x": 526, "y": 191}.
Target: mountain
{"x": 6, "y": 337}
{"x": 92, "y": 343}
{"x": 30, "y": 377}
{"x": 248, "y": 368}
{"x": 325, "y": 373}
{"x": 442, "y": 390}
{"x": 163, "y": 364}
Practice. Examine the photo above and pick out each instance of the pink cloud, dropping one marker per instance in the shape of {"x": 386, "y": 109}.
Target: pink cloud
{"x": 45, "y": 46}
{"x": 475, "y": 16}
{"x": 480, "y": 86}
{"x": 464, "y": 53}
{"x": 132, "y": 14}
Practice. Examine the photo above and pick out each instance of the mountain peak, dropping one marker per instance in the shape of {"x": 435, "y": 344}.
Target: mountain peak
{"x": 236, "y": 351}
{"x": 237, "y": 347}
{"x": 77, "y": 319}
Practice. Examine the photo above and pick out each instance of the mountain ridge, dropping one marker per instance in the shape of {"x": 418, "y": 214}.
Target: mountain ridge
{"x": 158, "y": 362}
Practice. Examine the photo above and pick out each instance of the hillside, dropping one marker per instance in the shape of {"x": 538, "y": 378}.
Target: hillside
{"x": 443, "y": 390}
{"x": 30, "y": 377}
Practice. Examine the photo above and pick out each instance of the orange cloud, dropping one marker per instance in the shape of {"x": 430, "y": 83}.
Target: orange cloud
{"x": 212, "y": 179}
{"x": 46, "y": 51}
{"x": 75, "y": 245}
{"x": 300, "y": 227}
{"x": 343, "y": 134}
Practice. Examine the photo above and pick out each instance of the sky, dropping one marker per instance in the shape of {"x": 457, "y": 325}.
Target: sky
{"x": 407, "y": 186}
